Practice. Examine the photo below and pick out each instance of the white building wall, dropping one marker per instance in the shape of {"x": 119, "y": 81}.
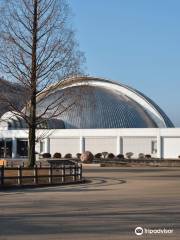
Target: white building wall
{"x": 101, "y": 144}
{"x": 64, "y": 145}
{"x": 170, "y": 147}
{"x": 110, "y": 140}
{"x": 138, "y": 145}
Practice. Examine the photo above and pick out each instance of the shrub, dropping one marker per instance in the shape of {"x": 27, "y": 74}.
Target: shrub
{"x": 148, "y": 156}
{"x": 87, "y": 157}
{"x": 111, "y": 155}
{"x": 46, "y": 155}
{"x": 98, "y": 155}
{"x": 104, "y": 154}
{"x": 68, "y": 155}
{"x": 120, "y": 156}
{"x": 129, "y": 155}
{"x": 78, "y": 155}
{"x": 57, "y": 155}
{"x": 141, "y": 156}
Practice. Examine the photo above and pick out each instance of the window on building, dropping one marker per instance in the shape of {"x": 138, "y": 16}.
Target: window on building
{"x": 153, "y": 147}
{"x": 22, "y": 147}
{"x": 41, "y": 147}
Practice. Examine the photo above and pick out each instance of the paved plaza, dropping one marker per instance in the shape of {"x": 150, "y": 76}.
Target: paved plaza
{"x": 110, "y": 207}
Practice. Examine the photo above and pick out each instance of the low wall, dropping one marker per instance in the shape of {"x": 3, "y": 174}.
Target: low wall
{"x": 142, "y": 162}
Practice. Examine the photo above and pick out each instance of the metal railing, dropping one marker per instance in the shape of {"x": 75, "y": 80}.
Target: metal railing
{"x": 40, "y": 175}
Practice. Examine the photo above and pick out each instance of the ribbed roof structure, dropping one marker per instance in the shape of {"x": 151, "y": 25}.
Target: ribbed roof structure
{"x": 92, "y": 103}
{"x": 106, "y": 104}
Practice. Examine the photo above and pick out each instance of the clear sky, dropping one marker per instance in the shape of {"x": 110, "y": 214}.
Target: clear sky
{"x": 136, "y": 42}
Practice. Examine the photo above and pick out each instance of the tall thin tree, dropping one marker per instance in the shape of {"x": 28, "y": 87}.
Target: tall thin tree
{"x": 37, "y": 50}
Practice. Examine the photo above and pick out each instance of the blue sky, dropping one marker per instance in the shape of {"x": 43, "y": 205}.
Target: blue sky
{"x": 136, "y": 42}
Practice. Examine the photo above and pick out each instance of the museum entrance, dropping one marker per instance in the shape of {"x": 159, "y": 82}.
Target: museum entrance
{"x": 6, "y": 148}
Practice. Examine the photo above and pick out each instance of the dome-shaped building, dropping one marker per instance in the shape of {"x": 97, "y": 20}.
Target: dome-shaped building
{"x": 96, "y": 115}
{"x": 99, "y": 103}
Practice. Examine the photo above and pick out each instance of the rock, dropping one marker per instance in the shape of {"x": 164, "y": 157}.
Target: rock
{"x": 87, "y": 157}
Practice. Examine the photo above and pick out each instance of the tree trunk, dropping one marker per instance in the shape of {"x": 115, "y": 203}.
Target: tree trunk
{"x": 32, "y": 117}
{"x": 31, "y": 149}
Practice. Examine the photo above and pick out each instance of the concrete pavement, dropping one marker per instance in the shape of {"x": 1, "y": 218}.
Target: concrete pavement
{"x": 111, "y": 206}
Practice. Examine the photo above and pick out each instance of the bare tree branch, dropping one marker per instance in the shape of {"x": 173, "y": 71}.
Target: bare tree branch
{"x": 37, "y": 50}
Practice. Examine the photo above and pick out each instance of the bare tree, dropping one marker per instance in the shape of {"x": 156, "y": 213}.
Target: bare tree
{"x": 38, "y": 51}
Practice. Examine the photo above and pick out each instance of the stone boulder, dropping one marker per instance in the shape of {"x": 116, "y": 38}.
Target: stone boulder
{"x": 87, "y": 157}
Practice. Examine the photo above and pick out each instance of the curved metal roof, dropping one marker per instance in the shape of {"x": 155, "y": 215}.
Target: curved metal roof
{"x": 105, "y": 104}
{"x": 11, "y": 121}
